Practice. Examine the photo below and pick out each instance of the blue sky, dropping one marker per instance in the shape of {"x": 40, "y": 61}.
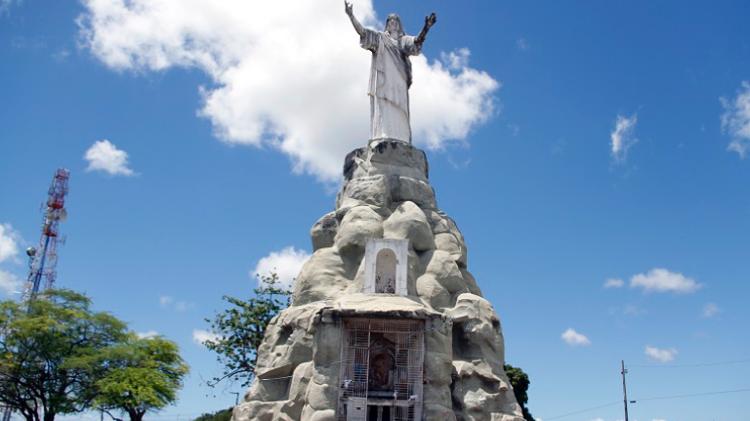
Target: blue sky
{"x": 232, "y": 120}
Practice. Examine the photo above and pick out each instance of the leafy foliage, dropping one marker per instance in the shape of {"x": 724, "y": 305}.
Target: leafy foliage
{"x": 520, "y": 382}
{"x": 222, "y": 415}
{"x": 49, "y": 351}
{"x": 240, "y": 329}
{"x": 58, "y": 356}
{"x": 142, "y": 374}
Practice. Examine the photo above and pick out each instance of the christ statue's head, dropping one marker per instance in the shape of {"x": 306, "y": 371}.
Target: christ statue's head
{"x": 393, "y": 26}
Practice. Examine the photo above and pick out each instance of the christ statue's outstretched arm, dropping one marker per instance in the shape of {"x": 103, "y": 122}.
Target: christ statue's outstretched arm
{"x": 350, "y": 12}
{"x": 428, "y": 22}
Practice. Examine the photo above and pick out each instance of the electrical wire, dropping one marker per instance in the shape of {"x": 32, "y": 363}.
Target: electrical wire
{"x": 692, "y": 395}
{"x": 581, "y": 411}
{"x": 745, "y": 360}
{"x": 654, "y": 398}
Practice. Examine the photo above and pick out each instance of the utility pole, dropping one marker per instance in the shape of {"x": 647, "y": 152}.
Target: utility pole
{"x": 624, "y": 389}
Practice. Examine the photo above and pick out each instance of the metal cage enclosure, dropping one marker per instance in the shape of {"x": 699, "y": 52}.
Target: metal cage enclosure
{"x": 382, "y": 364}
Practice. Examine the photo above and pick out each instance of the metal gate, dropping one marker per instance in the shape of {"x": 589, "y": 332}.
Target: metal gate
{"x": 381, "y": 372}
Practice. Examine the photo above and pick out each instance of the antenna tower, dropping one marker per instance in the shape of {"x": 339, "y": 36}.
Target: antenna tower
{"x": 43, "y": 259}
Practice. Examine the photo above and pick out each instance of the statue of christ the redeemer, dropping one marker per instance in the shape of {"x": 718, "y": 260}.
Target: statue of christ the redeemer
{"x": 390, "y": 74}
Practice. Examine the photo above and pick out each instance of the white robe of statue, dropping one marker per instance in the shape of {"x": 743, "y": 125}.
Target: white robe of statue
{"x": 390, "y": 78}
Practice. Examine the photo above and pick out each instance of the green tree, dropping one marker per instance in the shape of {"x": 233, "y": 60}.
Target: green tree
{"x": 47, "y": 350}
{"x": 140, "y": 375}
{"x": 239, "y": 330}
{"x": 520, "y": 382}
{"x": 222, "y": 415}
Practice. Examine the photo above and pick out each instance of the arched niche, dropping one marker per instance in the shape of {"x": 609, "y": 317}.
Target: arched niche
{"x": 385, "y": 271}
{"x": 385, "y": 266}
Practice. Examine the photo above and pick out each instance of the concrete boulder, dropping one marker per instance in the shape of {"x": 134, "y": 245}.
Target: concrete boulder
{"x": 372, "y": 190}
{"x": 441, "y": 265}
{"x": 323, "y": 276}
{"x": 409, "y": 222}
{"x": 324, "y": 231}
{"x": 358, "y": 225}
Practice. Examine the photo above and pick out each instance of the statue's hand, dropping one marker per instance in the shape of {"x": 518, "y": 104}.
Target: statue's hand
{"x": 430, "y": 20}
{"x": 348, "y": 8}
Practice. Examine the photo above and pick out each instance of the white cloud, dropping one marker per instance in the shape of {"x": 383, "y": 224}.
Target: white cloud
{"x": 6, "y": 4}
{"x": 622, "y": 137}
{"x": 103, "y": 155}
{"x": 167, "y": 301}
{"x": 630, "y": 310}
{"x": 660, "y": 355}
{"x": 10, "y": 283}
{"x": 633, "y": 310}
{"x": 286, "y": 263}
{"x": 9, "y": 239}
{"x": 200, "y": 336}
{"x": 522, "y": 44}
{"x": 293, "y": 81}
{"x": 614, "y": 283}
{"x": 61, "y": 54}
{"x": 573, "y": 338}
{"x": 148, "y": 334}
{"x": 182, "y": 306}
{"x": 735, "y": 120}
{"x": 457, "y": 59}
{"x": 710, "y": 310}
{"x": 662, "y": 280}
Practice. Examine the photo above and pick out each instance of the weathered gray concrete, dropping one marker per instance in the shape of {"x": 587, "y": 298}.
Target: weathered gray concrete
{"x": 386, "y": 194}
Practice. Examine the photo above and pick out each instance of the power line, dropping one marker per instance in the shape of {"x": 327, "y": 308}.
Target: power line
{"x": 692, "y": 395}
{"x": 654, "y": 398}
{"x": 746, "y": 360}
{"x": 581, "y": 411}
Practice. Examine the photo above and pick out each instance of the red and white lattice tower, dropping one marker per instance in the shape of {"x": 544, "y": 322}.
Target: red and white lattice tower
{"x": 43, "y": 259}
{"x": 42, "y": 270}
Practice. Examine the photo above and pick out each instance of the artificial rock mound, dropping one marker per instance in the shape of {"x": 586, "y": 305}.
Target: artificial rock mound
{"x": 423, "y": 345}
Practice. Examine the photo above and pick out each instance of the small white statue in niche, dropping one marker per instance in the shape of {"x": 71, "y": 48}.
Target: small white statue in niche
{"x": 385, "y": 266}
{"x": 385, "y": 285}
